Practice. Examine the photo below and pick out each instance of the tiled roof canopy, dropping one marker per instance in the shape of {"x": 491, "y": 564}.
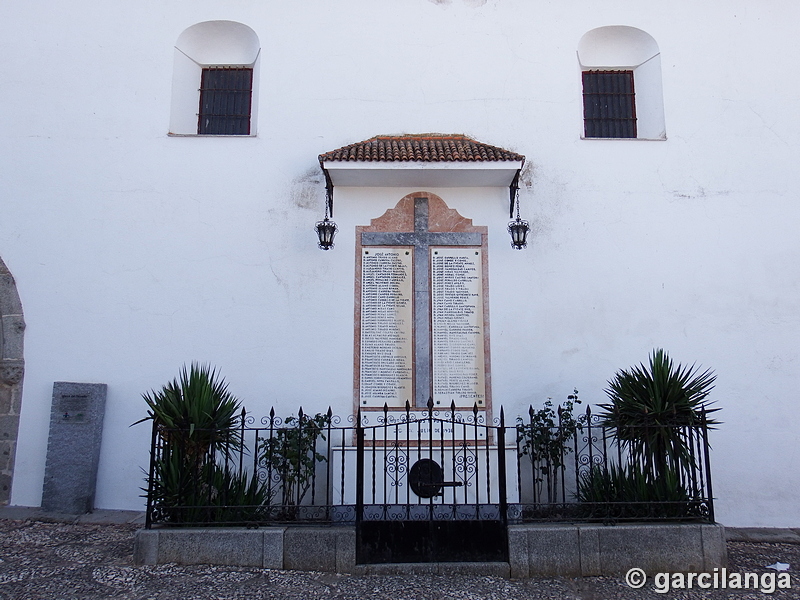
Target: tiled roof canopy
{"x": 420, "y": 148}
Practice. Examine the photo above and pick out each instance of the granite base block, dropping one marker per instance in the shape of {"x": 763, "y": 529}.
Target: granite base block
{"x": 240, "y": 547}
{"x": 310, "y": 549}
{"x": 145, "y": 547}
{"x": 534, "y": 550}
{"x": 273, "y": 548}
{"x": 554, "y": 550}
{"x": 345, "y": 550}
{"x": 652, "y": 548}
{"x": 518, "y": 552}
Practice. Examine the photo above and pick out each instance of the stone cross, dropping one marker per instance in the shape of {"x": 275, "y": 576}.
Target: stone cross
{"x": 421, "y": 239}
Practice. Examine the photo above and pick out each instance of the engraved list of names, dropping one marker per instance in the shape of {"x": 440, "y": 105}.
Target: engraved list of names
{"x": 386, "y": 327}
{"x": 457, "y": 326}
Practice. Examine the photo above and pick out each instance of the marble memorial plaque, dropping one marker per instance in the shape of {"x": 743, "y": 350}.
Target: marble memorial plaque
{"x": 386, "y": 370}
{"x": 457, "y": 327}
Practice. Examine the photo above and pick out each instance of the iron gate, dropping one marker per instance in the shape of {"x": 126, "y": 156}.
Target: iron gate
{"x": 430, "y": 487}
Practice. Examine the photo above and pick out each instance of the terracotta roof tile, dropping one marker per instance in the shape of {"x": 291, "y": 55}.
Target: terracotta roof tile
{"x": 420, "y": 148}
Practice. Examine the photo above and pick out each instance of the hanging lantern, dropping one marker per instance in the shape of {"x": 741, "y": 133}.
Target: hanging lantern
{"x": 326, "y": 229}
{"x": 519, "y": 233}
{"x": 517, "y": 228}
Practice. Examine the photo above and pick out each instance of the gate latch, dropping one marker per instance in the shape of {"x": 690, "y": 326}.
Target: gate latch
{"x": 425, "y": 479}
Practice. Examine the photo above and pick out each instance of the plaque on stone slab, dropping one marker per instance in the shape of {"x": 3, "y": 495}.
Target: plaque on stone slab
{"x": 462, "y": 427}
{"x": 73, "y": 447}
{"x": 74, "y": 408}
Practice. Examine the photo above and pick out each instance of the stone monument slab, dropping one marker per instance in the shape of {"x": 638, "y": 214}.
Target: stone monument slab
{"x": 73, "y": 447}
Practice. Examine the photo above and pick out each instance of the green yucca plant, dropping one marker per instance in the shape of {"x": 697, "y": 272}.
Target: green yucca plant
{"x": 237, "y": 497}
{"x": 197, "y": 419}
{"x": 650, "y": 407}
{"x": 195, "y": 410}
{"x": 626, "y": 492}
{"x": 184, "y": 493}
{"x": 628, "y": 484}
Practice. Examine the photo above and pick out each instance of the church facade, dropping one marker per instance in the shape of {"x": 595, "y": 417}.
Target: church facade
{"x": 164, "y": 166}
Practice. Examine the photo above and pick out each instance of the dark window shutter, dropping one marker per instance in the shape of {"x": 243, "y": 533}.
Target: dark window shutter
{"x": 225, "y": 97}
{"x": 609, "y": 105}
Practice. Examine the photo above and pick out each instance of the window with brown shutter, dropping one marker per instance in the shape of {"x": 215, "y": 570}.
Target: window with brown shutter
{"x": 609, "y": 104}
{"x": 225, "y": 101}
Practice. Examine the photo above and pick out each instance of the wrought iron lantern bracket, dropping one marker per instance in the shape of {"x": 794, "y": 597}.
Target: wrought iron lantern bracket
{"x": 326, "y": 229}
{"x": 518, "y": 228}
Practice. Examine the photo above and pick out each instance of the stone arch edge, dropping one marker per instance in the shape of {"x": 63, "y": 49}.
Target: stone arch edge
{"x": 12, "y": 369}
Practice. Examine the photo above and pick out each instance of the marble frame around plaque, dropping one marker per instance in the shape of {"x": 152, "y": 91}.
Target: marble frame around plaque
{"x": 400, "y": 224}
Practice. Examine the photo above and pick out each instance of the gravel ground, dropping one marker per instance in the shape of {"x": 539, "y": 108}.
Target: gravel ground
{"x": 55, "y": 561}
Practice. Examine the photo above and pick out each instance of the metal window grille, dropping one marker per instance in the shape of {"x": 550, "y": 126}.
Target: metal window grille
{"x": 225, "y": 101}
{"x": 609, "y": 106}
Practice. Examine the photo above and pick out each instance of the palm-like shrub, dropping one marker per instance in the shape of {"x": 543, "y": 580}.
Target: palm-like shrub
{"x": 626, "y": 492}
{"x": 627, "y": 484}
{"x": 650, "y": 410}
{"x": 197, "y": 419}
{"x": 185, "y": 493}
{"x": 195, "y": 410}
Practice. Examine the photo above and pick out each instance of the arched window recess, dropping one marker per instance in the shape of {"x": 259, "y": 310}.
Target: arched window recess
{"x": 621, "y": 82}
{"x": 215, "y": 80}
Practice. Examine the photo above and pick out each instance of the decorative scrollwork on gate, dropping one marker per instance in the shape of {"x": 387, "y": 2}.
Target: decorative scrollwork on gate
{"x": 466, "y": 462}
{"x": 396, "y": 463}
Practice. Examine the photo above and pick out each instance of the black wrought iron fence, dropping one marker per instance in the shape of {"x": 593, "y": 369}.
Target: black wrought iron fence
{"x": 280, "y": 470}
{"x": 588, "y": 469}
{"x": 427, "y": 464}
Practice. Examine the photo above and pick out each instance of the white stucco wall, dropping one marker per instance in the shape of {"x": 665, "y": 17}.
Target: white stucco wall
{"x": 135, "y": 252}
